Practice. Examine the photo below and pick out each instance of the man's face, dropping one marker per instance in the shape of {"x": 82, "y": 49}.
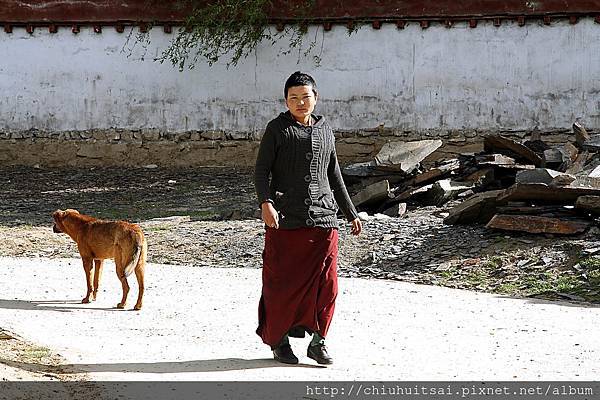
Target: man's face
{"x": 301, "y": 101}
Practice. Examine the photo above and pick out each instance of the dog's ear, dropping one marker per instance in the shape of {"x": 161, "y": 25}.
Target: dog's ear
{"x": 72, "y": 211}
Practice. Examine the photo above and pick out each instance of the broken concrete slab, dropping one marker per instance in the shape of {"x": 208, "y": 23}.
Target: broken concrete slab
{"x": 443, "y": 191}
{"x": 398, "y": 157}
{"x": 479, "y": 208}
{"x": 553, "y": 156}
{"x": 376, "y": 192}
{"x": 538, "y": 224}
{"x": 544, "y": 175}
{"x": 495, "y": 143}
{"x": 595, "y": 172}
{"x": 404, "y": 156}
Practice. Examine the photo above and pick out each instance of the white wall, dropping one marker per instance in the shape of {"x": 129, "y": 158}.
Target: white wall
{"x": 494, "y": 78}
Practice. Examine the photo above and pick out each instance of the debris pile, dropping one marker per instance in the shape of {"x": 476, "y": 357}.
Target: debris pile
{"x": 532, "y": 186}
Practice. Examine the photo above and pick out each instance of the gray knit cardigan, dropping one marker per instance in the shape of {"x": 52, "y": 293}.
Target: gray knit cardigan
{"x": 306, "y": 185}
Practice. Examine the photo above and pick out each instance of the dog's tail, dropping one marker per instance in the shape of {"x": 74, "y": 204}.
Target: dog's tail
{"x": 138, "y": 256}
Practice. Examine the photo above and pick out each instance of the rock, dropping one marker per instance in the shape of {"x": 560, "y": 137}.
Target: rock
{"x": 397, "y": 210}
{"x": 442, "y": 191}
{"x": 544, "y": 175}
{"x": 372, "y": 194}
{"x": 380, "y": 216}
{"x": 364, "y": 216}
{"x": 495, "y": 159}
{"x": 212, "y": 135}
{"x": 364, "y": 169}
{"x": 560, "y": 157}
{"x": 89, "y": 151}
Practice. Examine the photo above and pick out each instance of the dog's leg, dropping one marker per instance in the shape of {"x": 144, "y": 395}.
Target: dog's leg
{"x": 87, "y": 268}
{"x": 139, "y": 274}
{"x": 121, "y": 275}
{"x": 98, "y": 264}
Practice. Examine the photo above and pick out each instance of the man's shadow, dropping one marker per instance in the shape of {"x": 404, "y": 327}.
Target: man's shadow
{"x": 168, "y": 367}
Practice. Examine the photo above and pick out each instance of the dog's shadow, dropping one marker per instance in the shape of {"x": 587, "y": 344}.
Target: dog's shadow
{"x": 52, "y": 305}
{"x": 168, "y": 367}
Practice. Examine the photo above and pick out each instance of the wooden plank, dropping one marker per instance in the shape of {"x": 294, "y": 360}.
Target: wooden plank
{"x": 478, "y": 208}
{"x": 535, "y": 210}
{"x": 494, "y": 142}
{"x": 588, "y": 203}
{"x": 581, "y": 135}
{"x": 538, "y": 224}
{"x": 435, "y": 172}
{"x": 579, "y": 163}
{"x": 546, "y": 194}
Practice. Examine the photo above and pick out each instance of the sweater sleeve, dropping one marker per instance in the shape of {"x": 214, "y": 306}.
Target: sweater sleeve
{"x": 264, "y": 163}
{"x": 339, "y": 188}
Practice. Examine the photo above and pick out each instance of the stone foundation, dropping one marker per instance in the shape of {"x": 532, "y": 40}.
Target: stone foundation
{"x": 136, "y": 148}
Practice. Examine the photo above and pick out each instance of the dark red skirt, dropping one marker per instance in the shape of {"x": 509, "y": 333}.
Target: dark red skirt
{"x": 299, "y": 282}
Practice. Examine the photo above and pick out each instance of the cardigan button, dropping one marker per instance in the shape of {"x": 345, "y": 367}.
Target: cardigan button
{"x": 306, "y": 178}
{"x": 309, "y": 156}
{"x": 308, "y": 201}
{"x": 310, "y": 222}
{"x": 308, "y": 129}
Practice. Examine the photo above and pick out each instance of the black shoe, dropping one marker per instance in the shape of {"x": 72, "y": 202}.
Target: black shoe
{"x": 284, "y": 354}
{"x": 319, "y": 354}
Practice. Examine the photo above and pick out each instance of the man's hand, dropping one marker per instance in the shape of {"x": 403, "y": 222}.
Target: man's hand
{"x": 269, "y": 215}
{"x": 356, "y": 227}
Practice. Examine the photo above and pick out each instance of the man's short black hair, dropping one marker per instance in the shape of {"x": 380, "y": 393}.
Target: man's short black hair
{"x": 299, "y": 79}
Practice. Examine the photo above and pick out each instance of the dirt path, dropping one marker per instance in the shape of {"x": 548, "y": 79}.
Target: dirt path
{"x": 198, "y": 324}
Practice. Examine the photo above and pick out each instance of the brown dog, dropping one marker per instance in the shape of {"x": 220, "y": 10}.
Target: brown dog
{"x": 97, "y": 240}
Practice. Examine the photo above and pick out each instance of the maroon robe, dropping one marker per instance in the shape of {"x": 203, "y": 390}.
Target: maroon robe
{"x": 299, "y": 282}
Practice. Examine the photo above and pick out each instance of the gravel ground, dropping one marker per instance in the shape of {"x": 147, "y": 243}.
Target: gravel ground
{"x": 207, "y": 217}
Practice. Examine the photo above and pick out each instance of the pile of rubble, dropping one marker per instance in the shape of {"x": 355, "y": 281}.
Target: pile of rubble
{"x": 531, "y": 187}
